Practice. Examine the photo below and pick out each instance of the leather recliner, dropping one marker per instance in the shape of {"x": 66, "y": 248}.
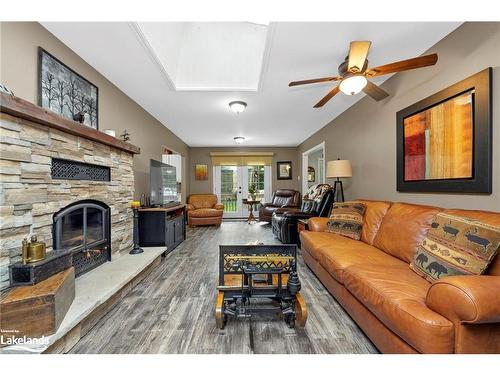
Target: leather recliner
{"x": 282, "y": 198}
{"x": 317, "y": 202}
{"x": 203, "y": 209}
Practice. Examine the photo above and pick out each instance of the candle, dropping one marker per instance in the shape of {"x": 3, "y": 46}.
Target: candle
{"x": 135, "y": 204}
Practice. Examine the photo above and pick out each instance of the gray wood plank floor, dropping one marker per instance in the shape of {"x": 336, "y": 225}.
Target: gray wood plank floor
{"x": 172, "y": 309}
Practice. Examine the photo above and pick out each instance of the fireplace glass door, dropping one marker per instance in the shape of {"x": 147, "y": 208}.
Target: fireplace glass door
{"x": 80, "y": 226}
{"x": 72, "y": 229}
{"x": 95, "y": 225}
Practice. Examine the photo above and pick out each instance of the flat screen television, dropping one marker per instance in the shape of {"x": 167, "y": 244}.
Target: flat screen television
{"x": 163, "y": 183}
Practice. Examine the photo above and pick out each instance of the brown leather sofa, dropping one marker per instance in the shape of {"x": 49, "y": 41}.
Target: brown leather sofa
{"x": 400, "y": 311}
{"x": 282, "y": 198}
{"x": 203, "y": 209}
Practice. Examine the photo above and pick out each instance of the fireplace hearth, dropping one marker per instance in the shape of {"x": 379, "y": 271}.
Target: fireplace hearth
{"x": 84, "y": 228}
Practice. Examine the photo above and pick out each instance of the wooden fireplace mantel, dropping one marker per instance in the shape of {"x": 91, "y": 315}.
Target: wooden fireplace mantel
{"x": 21, "y": 108}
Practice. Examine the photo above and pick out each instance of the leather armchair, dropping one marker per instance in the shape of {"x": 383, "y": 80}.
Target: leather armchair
{"x": 203, "y": 209}
{"x": 317, "y": 203}
{"x": 282, "y": 198}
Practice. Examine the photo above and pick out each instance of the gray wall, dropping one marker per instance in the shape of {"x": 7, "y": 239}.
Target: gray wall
{"x": 201, "y": 155}
{"x": 366, "y": 132}
{"x": 19, "y": 71}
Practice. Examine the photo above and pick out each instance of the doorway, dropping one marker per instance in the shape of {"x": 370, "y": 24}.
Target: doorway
{"x": 234, "y": 183}
{"x": 313, "y": 167}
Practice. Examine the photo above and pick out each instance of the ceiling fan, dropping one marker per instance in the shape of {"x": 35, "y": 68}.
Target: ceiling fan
{"x": 354, "y": 73}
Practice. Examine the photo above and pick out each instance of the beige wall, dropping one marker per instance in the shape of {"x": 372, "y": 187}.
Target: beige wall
{"x": 19, "y": 61}
{"x": 201, "y": 155}
{"x": 366, "y": 132}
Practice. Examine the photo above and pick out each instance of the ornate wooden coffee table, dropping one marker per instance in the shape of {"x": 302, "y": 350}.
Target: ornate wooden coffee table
{"x": 266, "y": 274}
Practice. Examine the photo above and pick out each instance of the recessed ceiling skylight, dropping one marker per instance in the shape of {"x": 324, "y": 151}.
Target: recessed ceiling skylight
{"x": 208, "y": 56}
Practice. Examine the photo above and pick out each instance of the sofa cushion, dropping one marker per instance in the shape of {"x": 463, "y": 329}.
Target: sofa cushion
{"x": 487, "y": 217}
{"x": 403, "y": 228}
{"x": 335, "y": 253}
{"x": 346, "y": 219}
{"x": 206, "y": 212}
{"x": 454, "y": 246}
{"x": 396, "y": 296}
{"x": 374, "y": 214}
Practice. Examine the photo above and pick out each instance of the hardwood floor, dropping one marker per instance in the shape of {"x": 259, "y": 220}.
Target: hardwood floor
{"x": 172, "y": 310}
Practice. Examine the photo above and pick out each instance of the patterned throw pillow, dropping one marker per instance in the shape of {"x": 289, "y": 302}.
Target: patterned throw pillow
{"x": 346, "y": 219}
{"x": 456, "y": 245}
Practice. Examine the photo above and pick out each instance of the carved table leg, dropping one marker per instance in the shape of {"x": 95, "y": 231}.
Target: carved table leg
{"x": 300, "y": 310}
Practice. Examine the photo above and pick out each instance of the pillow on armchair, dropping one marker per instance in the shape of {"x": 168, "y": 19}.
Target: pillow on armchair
{"x": 314, "y": 196}
{"x": 346, "y": 219}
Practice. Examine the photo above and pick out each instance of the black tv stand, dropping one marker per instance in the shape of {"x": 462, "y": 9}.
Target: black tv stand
{"x": 162, "y": 226}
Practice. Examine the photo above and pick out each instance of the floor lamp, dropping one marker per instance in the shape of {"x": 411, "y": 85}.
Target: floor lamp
{"x": 338, "y": 169}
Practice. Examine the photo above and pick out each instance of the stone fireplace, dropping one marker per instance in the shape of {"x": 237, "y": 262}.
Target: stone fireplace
{"x": 34, "y": 200}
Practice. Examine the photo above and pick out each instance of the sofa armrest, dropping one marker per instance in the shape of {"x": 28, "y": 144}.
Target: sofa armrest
{"x": 189, "y": 207}
{"x": 290, "y": 206}
{"x": 317, "y": 224}
{"x": 298, "y": 214}
{"x": 268, "y": 204}
{"x": 219, "y": 206}
{"x": 284, "y": 210}
{"x": 466, "y": 299}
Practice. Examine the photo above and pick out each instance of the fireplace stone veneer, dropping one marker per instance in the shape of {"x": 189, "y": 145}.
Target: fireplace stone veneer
{"x": 30, "y": 196}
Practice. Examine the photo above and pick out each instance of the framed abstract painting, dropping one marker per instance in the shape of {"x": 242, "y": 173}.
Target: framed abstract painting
{"x": 201, "y": 172}
{"x": 444, "y": 142}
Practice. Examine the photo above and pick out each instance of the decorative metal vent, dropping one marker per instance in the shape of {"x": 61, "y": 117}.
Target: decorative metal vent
{"x": 74, "y": 170}
{"x": 87, "y": 260}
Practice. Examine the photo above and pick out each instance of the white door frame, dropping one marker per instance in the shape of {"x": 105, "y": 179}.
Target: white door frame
{"x": 305, "y": 164}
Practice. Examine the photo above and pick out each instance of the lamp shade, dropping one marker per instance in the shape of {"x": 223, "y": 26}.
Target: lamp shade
{"x": 338, "y": 168}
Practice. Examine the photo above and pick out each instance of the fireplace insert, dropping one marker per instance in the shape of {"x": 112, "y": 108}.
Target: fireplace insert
{"x": 84, "y": 227}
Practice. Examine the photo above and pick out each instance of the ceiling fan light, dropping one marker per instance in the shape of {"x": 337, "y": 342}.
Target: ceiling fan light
{"x": 353, "y": 84}
{"x": 239, "y": 140}
{"x": 237, "y": 106}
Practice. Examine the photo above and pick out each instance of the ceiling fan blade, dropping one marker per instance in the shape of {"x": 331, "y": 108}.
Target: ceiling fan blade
{"x": 374, "y": 91}
{"x": 358, "y": 51}
{"x": 327, "y": 97}
{"x": 417, "y": 62}
{"x": 316, "y": 80}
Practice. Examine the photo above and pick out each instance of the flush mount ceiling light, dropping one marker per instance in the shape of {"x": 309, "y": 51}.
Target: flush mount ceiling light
{"x": 354, "y": 73}
{"x": 237, "y": 106}
{"x": 239, "y": 140}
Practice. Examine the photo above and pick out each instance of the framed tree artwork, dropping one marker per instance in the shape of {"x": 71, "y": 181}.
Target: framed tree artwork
{"x": 444, "y": 142}
{"x": 65, "y": 92}
{"x": 284, "y": 170}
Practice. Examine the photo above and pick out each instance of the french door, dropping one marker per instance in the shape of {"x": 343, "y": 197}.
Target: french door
{"x": 232, "y": 184}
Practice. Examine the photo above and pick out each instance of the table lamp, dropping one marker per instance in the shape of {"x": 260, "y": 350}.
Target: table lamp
{"x": 338, "y": 169}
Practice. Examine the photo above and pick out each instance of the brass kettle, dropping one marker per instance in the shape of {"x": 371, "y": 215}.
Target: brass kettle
{"x": 34, "y": 251}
